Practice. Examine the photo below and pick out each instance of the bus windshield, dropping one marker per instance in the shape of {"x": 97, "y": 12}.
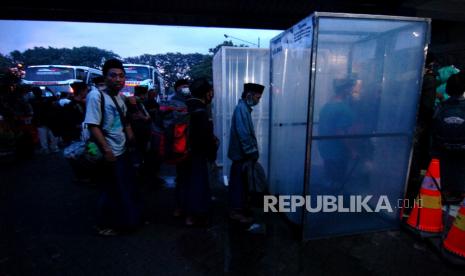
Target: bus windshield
{"x": 49, "y": 74}
{"x": 137, "y": 73}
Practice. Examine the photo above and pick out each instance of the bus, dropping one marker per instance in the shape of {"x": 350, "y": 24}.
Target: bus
{"x": 142, "y": 75}
{"x": 57, "y": 79}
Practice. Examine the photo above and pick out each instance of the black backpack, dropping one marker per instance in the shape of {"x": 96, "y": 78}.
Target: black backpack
{"x": 449, "y": 125}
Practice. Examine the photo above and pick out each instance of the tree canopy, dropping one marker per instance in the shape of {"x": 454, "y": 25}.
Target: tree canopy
{"x": 84, "y": 56}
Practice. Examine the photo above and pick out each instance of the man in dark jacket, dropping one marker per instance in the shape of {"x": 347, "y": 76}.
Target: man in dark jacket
{"x": 44, "y": 119}
{"x": 449, "y": 140}
{"x": 243, "y": 148}
{"x": 175, "y": 110}
{"x": 73, "y": 113}
{"x": 203, "y": 146}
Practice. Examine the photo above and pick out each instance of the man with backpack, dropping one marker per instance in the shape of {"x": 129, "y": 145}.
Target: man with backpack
{"x": 43, "y": 117}
{"x": 73, "y": 113}
{"x": 105, "y": 118}
{"x": 449, "y": 139}
{"x": 175, "y": 122}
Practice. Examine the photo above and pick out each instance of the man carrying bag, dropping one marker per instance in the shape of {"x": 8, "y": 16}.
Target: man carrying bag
{"x": 243, "y": 151}
{"x": 119, "y": 208}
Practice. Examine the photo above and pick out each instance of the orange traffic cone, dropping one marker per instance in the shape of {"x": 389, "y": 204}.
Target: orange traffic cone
{"x": 455, "y": 241}
{"x": 426, "y": 215}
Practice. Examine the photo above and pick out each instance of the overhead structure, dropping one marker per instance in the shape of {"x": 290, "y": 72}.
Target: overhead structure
{"x": 267, "y": 14}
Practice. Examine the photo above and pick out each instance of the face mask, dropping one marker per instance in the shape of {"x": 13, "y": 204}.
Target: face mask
{"x": 250, "y": 100}
{"x": 185, "y": 91}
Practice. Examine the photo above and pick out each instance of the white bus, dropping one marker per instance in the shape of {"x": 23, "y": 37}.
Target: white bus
{"x": 142, "y": 75}
{"x": 58, "y": 78}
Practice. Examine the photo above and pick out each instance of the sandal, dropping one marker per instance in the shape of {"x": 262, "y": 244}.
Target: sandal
{"x": 197, "y": 221}
{"x": 240, "y": 217}
{"x": 189, "y": 221}
{"x": 107, "y": 232}
{"x": 178, "y": 212}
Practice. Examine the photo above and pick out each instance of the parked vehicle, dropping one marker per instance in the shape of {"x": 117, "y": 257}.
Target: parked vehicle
{"x": 56, "y": 79}
{"x": 142, "y": 75}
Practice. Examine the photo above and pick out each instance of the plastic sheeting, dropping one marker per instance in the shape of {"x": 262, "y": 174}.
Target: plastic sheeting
{"x": 232, "y": 67}
{"x": 344, "y": 101}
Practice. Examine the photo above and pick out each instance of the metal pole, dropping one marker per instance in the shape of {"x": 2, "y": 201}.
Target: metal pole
{"x": 227, "y": 36}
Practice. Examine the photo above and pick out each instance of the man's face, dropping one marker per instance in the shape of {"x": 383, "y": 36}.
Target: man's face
{"x": 84, "y": 94}
{"x": 209, "y": 96}
{"x": 142, "y": 96}
{"x": 115, "y": 79}
{"x": 253, "y": 98}
{"x": 257, "y": 97}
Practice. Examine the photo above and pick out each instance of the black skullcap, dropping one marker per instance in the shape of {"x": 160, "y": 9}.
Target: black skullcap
{"x": 112, "y": 63}
{"x": 253, "y": 87}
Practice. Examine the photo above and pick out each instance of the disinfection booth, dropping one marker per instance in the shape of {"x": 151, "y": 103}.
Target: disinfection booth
{"x": 344, "y": 95}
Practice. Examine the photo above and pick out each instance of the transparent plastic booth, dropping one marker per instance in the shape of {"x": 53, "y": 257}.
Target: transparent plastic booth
{"x": 344, "y": 97}
{"x": 232, "y": 67}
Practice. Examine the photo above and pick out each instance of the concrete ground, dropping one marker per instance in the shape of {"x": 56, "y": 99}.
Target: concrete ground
{"x": 46, "y": 228}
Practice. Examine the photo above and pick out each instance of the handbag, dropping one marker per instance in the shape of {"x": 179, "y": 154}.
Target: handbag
{"x": 256, "y": 181}
{"x": 86, "y": 151}
{"x": 75, "y": 150}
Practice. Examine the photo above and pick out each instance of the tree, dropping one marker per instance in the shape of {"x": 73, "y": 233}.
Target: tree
{"x": 5, "y": 61}
{"x": 90, "y": 56}
{"x": 172, "y": 66}
{"x": 203, "y": 69}
{"x": 84, "y": 56}
{"x": 16, "y": 56}
{"x": 229, "y": 43}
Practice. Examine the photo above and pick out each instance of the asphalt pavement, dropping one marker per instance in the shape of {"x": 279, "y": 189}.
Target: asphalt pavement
{"x": 47, "y": 220}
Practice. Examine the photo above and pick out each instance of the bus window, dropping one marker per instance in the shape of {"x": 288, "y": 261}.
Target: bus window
{"x": 135, "y": 73}
{"x": 49, "y": 74}
{"x": 81, "y": 75}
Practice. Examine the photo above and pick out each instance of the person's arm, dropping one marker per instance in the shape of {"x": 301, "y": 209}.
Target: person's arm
{"x": 244, "y": 133}
{"x": 93, "y": 119}
{"x": 129, "y": 134}
{"x": 127, "y": 126}
{"x": 97, "y": 133}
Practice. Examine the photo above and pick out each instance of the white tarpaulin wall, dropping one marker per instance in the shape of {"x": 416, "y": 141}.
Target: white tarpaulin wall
{"x": 232, "y": 67}
{"x": 330, "y": 140}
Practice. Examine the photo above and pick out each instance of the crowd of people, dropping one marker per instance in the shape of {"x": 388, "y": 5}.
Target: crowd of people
{"x": 133, "y": 136}
{"x": 440, "y": 132}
